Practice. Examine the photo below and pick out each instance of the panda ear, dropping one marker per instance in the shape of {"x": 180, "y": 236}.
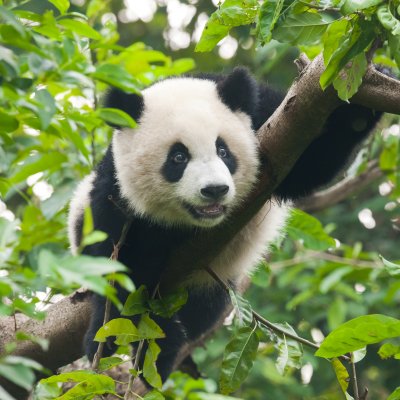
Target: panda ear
{"x": 239, "y": 91}
{"x": 131, "y": 103}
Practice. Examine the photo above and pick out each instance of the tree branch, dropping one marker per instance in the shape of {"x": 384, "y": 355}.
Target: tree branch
{"x": 341, "y": 190}
{"x": 283, "y": 138}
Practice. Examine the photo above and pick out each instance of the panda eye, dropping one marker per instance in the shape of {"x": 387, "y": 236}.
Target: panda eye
{"x": 221, "y": 151}
{"x": 179, "y": 158}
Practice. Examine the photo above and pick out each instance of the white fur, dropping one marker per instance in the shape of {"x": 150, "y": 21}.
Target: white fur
{"x": 190, "y": 111}
{"x": 80, "y": 201}
{"x": 247, "y": 248}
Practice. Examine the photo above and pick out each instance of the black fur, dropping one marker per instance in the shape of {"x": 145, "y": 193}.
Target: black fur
{"x": 173, "y": 170}
{"x": 148, "y": 246}
{"x": 239, "y": 91}
{"x": 131, "y": 103}
{"x": 230, "y": 160}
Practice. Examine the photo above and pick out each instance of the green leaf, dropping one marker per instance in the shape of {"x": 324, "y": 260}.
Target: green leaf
{"x": 350, "y": 77}
{"x": 333, "y": 278}
{"x": 391, "y": 268}
{"x": 136, "y": 303}
{"x": 122, "y": 328}
{"x": 341, "y": 373}
{"x": 394, "y": 46}
{"x": 8, "y": 123}
{"x": 76, "y": 271}
{"x": 109, "y": 362}
{"x": 336, "y": 312}
{"x": 351, "y": 6}
{"x": 212, "y": 34}
{"x": 62, "y": 5}
{"x": 117, "y": 76}
{"x": 357, "y": 333}
{"x": 290, "y": 351}
{"x": 88, "y": 226}
{"x": 47, "y": 107}
{"x": 149, "y": 329}
{"x": 89, "y": 385}
{"x": 395, "y": 395}
{"x": 230, "y": 13}
{"x": 243, "y": 310}
{"x": 116, "y": 117}
{"x": 80, "y": 28}
{"x": 123, "y": 280}
{"x": 169, "y": 304}
{"x": 149, "y": 366}
{"x": 304, "y": 227}
{"x": 333, "y": 37}
{"x": 94, "y": 237}
{"x": 387, "y": 19}
{"x": 154, "y": 395}
{"x": 358, "y": 355}
{"x": 42, "y": 342}
{"x": 238, "y": 359}
{"x": 46, "y": 161}
{"x": 389, "y": 350}
{"x": 355, "y": 41}
{"x": 10, "y": 19}
{"x": 390, "y": 156}
{"x": 268, "y": 16}
{"x": 301, "y": 29}
{"x": 19, "y": 370}
{"x": 19, "y": 374}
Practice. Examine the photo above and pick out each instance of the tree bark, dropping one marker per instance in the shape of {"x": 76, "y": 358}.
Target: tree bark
{"x": 283, "y": 138}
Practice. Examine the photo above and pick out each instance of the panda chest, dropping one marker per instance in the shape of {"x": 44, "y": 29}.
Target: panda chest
{"x": 147, "y": 249}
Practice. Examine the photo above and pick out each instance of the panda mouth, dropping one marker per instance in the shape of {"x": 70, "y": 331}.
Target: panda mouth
{"x": 210, "y": 211}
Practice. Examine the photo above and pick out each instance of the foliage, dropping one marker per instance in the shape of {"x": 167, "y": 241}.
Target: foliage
{"x": 348, "y": 30}
{"x": 55, "y": 65}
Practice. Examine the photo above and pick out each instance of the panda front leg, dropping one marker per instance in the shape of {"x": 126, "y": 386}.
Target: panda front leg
{"x": 203, "y": 309}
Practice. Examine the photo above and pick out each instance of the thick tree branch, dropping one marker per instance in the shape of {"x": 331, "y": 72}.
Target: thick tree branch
{"x": 283, "y": 138}
{"x": 65, "y": 326}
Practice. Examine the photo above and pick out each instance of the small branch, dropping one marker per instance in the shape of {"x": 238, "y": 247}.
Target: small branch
{"x": 114, "y": 256}
{"x": 355, "y": 383}
{"x": 138, "y": 355}
{"x": 100, "y": 347}
{"x": 135, "y": 367}
{"x": 320, "y": 255}
{"x": 267, "y": 323}
{"x": 341, "y": 190}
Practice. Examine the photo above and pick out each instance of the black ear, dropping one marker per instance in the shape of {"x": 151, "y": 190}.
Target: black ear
{"x": 131, "y": 103}
{"x": 239, "y": 91}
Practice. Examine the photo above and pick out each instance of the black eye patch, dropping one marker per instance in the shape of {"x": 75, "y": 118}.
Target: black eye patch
{"x": 226, "y": 155}
{"x": 176, "y": 162}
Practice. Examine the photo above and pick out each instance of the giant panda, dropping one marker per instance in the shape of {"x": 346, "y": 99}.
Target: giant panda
{"x": 189, "y": 163}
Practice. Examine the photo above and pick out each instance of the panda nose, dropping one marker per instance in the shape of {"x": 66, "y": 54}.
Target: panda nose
{"x": 214, "y": 192}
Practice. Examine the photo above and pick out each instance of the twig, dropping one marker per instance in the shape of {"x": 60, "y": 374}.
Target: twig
{"x": 107, "y": 310}
{"x": 138, "y": 354}
{"x": 341, "y": 190}
{"x": 310, "y": 254}
{"x": 355, "y": 384}
{"x": 265, "y": 322}
{"x": 135, "y": 367}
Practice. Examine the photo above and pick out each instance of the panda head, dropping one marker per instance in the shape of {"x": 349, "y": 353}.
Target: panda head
{"x": 193, "y": 158}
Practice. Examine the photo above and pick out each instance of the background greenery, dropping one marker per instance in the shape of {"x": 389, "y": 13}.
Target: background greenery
{"x": 56, "y": 61}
